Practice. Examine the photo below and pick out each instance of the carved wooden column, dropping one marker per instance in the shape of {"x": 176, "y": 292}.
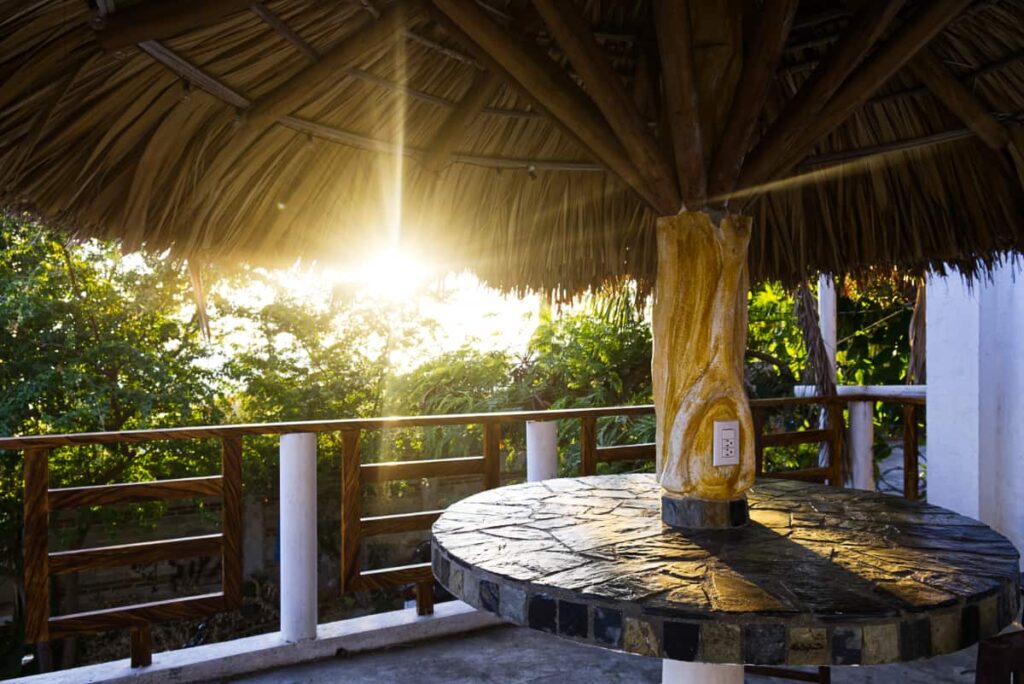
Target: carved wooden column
{"x": 700, "y": 328}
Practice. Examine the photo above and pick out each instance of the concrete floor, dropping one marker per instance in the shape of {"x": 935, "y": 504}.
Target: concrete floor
{"x": 515, "y": 655}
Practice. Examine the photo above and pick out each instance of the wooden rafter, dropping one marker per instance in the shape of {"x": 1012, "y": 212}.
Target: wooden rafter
{"x": 483, "y": 88}
{"x": 759, "y": 66}
{"x": 370, "y": 35}
{"x": 889, "y": 58}
{"x": 672, "y": 20}
{"x": 285, "y": 31}
{"x": 573, "y": 33}
{"x": 155, "y": 20}
{"x": 873, "y": 18}
{"x": 549, "y": 85}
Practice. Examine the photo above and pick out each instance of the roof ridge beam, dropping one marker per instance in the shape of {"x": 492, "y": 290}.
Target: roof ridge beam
{"x": 156, "y": 20}
{"x": 576, "y": 39}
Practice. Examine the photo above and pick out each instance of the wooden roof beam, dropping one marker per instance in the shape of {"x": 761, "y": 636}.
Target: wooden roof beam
{"x": 679, "y": 79}
{"x": 550, "y": 86}
{"x": 759, "y": 67}
{"x": 371, "y": 33}
{"x": 871, "y": 21}
{"x": 155, "y": 20}
{"x": 573, "y": 34}
{"x": 481, "y": 91}
{"x": 889, "y": 58}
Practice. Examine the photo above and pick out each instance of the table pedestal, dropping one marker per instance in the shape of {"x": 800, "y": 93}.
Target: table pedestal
{"x": 678, "y": 672}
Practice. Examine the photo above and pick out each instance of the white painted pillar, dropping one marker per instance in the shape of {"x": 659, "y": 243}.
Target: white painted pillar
{"x": 862, "y": 445}
{"x": 827, "y": 320}
{"x": 541, "y": 450}
{"x": 678, "y": 672}
{"x": 298, "y": 537}
{"x": 975, "y": 413}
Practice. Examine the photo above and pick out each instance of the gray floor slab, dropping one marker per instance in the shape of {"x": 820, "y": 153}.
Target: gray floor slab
{"x": 515, "y": 655}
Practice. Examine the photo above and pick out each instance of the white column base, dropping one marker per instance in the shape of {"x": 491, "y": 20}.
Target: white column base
{"x": 862, "y": 445}
{"x": 541, "y": 450}
{"x": 678, "y": 672}
{"x": 298, "y": 537}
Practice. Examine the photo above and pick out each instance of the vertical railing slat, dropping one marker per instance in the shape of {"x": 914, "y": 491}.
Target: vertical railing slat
{"x": 231, "y": 521}
{"x": 588, "y": 446}
{"x": 351, "y": 510}
{"x": 492, "y": 455}
{"x": 837, "y": 427}
{"x": 910, "y": 478}
{"x": 37, "y": 561}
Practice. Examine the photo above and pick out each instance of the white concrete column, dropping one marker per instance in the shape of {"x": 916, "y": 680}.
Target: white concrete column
{"x": 678, "y": 672}
{"x": 298, "y": 537}
{"x": 862, "y": 445}
{"x": 975, "y": 412}
{"x": 541, "y": 450}
{"x": 827, "y": 321}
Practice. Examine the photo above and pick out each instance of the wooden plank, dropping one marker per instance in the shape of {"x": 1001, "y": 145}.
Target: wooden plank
{"x": 836, "y": 457}
{"x": 482, "y": 90}
{"x": 910, "y": 453}
{"x": 492, "y": 455}
{"x": 759, "y": 67}
{"x": 393, "y": 577}
{"x": 136, "y": 615}
{"x": 368, "y": 36}
{"x": 930, "y": 70}
{"x": 425, "y": 598}
{"x": 783, "y": 439}
{"x": 231, "y": 522}
{"x": 576, "y": 38}
{"x": 884, "y": 62}
{"x": 873, "y": 18}
{"x": 399, "y": 522}
{"x": 679, "y": 79}
{"x": 152, "y": 20}
{"x": 415, "y": 470}
{"x": 37, "y": 526}
{"x": 351, "y": 510}
{"x": 548, "y": 84}
{"x": 804, "y": 475}
{"x": 626, "y": 452}
{"x": 80, "y": 560}
{"x": 142, "y": 646}
{"x": 588, "y": 446}
{"x": 284, "y": 31}
{"x": 133, "y": 492}
{"x": 758, "y": 419}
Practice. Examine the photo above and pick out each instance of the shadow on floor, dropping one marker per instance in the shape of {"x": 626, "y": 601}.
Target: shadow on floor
{"x": 514, "y": 655}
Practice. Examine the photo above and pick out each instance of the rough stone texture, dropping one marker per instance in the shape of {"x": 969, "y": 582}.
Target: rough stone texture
{"x": 819, "y": 576}
{"x": 698, "y": 514}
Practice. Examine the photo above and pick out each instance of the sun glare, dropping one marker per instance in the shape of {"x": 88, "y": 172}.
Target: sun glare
{"x": 390, "y": 275}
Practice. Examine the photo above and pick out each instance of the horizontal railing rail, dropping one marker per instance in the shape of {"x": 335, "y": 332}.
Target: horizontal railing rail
{"x": 41, "y": 500}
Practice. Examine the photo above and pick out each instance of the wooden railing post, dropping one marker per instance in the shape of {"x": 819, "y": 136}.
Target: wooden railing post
{"x": 836, "y": 425}
{"x": 37, "y": 561}
{"x": 492, "y": 455}
{"x": 910, "y": 475}
{"x": 588, "y": 446}
{"x": 141, "y": 646}
{"x": 231, "y": 521}
{"x": 351, "y": 510}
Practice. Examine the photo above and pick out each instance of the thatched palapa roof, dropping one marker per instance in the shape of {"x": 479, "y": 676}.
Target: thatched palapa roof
{"x": 534, "y": 142}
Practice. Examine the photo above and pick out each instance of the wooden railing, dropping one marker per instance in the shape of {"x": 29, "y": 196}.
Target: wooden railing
{"x": 40, "y": 500}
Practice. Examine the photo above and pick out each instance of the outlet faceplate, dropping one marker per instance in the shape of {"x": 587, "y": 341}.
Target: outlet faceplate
{"x": 726, "y": 443}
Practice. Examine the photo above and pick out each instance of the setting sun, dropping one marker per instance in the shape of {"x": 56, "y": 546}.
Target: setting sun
{"x": 390, "y": 275}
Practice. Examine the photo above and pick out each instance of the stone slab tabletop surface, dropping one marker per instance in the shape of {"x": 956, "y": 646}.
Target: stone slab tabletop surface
{"x": 820, "y": 575}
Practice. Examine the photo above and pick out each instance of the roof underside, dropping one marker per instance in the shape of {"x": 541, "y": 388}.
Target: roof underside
{"x": 155, "y": 143}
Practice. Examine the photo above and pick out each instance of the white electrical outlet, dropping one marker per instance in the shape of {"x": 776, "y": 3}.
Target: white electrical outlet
{"x": 726, "y": 443}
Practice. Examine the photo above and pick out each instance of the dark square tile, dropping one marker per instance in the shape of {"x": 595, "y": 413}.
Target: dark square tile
{"x": 541, "y": 613}
{"x": 442, "y": 566}
{"x": 970, "y": 625}
{"x": 738, "y": 513}
{"x": 847, "y": 646}
{"x": 490, "y": 599}
{"x": 572, "y": 619}
{"x": 608, "y": 627}
{"x": 680, "y": 640}
{"x": 915, "y": 639}
{"x": 764, "y": 644}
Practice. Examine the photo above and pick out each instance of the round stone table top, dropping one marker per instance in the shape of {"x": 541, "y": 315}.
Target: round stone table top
{"x": 820, "y": 575}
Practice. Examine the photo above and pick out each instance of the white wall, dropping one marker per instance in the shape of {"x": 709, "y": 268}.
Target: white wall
{"x": 975, "y": 357}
